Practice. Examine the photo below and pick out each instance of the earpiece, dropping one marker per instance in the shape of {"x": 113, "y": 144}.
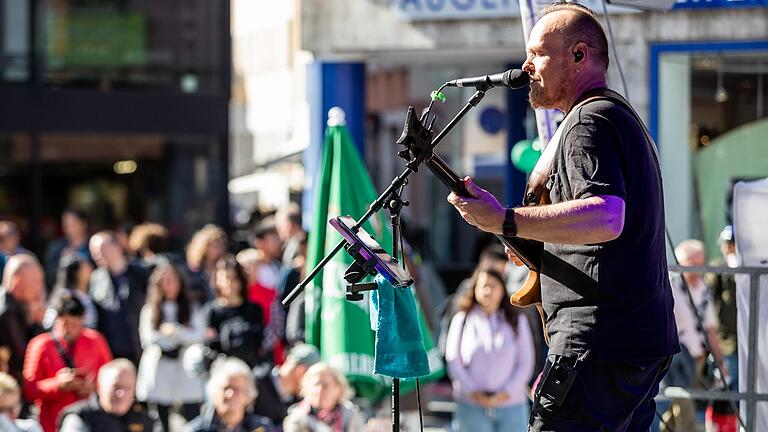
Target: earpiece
{"x": 578, "y": 56}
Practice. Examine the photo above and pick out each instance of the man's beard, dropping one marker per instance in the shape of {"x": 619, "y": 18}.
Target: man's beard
{"x": 539, "y": 100}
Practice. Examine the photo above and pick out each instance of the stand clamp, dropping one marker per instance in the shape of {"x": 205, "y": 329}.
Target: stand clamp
{"x": 358, "y": 270}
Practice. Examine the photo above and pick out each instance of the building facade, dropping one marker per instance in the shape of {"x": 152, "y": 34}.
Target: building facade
{"x": 116, "y": 107}
{"x": 694, "y": 73}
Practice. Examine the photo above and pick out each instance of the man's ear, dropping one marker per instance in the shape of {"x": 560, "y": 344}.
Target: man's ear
{"x": 580, "y": 51}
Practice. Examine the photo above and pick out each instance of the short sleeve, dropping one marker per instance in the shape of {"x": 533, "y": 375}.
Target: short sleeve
{"x": 592, "y": 160}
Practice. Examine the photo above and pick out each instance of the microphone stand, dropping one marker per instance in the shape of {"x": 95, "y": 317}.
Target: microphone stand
{"x": 397, "y": 183}
{"x": 417, "y": 138}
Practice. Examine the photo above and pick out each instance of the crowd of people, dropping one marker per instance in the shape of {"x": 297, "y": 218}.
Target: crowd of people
{"x": 115, "y": 330}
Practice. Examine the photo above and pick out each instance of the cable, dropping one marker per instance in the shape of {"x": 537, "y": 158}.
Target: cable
{"x": 615, "y": 53}
{"x": 402, "y": 262}
{"x": 418, "y": 403}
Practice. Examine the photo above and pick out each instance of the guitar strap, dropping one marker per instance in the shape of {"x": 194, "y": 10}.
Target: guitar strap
{"x": 65, "y": 356}
{"x": 536, "y": 190}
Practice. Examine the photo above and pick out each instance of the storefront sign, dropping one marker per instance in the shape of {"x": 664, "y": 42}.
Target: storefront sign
{"x": 693, "y": 4}
{"x": 433, "y": 10}
{"x": 456, "y": 9}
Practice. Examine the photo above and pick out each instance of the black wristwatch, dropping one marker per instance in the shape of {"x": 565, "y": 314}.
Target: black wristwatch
{"x": 509, "y": 228}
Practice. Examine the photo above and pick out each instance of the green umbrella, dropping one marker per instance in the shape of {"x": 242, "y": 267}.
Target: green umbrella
{"x": 340, "y": 328}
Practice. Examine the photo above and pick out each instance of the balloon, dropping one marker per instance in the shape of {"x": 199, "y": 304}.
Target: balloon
{"x": 523, "y": 156}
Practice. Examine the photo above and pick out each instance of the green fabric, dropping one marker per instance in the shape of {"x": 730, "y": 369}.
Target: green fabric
{"x": 739, "y": 154}
{"x": 339, "y": 328}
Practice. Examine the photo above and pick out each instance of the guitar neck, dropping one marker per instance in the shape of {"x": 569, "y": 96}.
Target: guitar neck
{"x": 529, "y": 251}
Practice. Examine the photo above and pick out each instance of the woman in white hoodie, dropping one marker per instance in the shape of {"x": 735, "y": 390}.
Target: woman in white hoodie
{"x": 490, "y": 357}
{"x": 169, "y": 323}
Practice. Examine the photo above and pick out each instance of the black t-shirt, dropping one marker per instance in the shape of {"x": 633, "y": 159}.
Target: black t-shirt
{"x": 612, "y": 297}
{"x": 239, "y": 330}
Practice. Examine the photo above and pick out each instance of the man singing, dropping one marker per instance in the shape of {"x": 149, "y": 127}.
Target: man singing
{"x": 604, "y": 285}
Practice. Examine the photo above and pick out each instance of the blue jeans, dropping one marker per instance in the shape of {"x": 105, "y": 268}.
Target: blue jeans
{"x": 474, "y": 418}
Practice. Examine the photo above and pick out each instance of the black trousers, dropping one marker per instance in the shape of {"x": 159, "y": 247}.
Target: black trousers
{"x": 606, "y": 395}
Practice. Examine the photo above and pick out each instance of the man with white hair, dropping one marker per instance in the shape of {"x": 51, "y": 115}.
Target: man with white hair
{"x": 692, "y": 360}
{"x": 22, "y": 306}
{"x": 113, "y": 407}
{"x": 691, "y": 253}
{"x": 231, "y": 391}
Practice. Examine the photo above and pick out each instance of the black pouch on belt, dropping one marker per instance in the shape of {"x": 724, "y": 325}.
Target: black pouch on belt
{"x": 559, "y": 378}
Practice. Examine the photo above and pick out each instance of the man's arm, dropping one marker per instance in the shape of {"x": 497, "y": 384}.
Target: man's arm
{"x": 595, "y": 219}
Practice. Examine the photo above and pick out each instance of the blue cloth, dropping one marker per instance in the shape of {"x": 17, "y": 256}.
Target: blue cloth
{"x": 400, "y": 349}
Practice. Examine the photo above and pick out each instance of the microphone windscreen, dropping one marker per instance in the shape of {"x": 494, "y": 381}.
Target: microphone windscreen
{"x": 515, "y": 78}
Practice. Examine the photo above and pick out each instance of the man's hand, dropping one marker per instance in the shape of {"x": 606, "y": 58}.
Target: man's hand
{"x": 481, "y": 209}
{"x": 68, "y": 380}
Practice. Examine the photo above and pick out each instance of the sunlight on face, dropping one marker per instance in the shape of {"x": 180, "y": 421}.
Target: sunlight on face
{"x": 546, "y": 64}
{"x": 489, "y": 291}
{"x": 171, "y": 285}
{"x": 323, "y": 392}
{"x": 116, "y": 391}
{"x": 234, "y": 397}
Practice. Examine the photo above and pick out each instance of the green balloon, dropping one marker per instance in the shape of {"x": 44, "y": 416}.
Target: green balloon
{"x": 523, "y": 156}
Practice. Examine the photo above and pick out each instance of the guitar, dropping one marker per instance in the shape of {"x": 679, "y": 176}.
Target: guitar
{"x": 417, "y": 139}
{"x": 529, "y": 251}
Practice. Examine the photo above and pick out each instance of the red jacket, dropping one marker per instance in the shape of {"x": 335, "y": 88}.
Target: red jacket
{"x": 41, "y": 362}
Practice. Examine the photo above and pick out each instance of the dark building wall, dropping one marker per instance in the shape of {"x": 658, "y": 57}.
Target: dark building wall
{"x": 176, "y": 94}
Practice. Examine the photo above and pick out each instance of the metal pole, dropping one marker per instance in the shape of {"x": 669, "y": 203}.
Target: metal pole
{"x": 754, "y": 311}
{"x": 395, "y": 405}
{"x": 36, "y": 168}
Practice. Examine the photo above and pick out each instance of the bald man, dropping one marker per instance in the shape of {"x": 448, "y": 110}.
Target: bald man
{"x": 605, "y": 293}
{"x": 22, "y": 306}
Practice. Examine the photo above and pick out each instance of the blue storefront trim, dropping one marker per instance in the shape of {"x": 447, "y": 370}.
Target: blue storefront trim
{"x": 657, "y": 49}
{"x": 331, "y": 84}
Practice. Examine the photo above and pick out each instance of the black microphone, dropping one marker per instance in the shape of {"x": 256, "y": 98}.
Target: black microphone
{"x": 513, "y": 78}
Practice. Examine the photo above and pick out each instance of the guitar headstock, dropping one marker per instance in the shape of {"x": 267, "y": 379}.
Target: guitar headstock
{"x": 417, "y": 139}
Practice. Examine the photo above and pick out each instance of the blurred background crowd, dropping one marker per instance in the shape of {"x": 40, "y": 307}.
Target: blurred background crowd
{"x": 114, "y": 328}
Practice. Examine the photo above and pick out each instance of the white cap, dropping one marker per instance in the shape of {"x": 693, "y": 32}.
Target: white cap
{"x": 336, "y": 117}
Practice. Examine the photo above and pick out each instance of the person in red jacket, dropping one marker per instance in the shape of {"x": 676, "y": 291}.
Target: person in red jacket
{"x": 60, "y": 367}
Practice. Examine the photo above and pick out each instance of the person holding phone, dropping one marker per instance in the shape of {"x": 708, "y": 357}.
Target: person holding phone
{"x": 490, "y": 356}
{"x": 60, "y": 366}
